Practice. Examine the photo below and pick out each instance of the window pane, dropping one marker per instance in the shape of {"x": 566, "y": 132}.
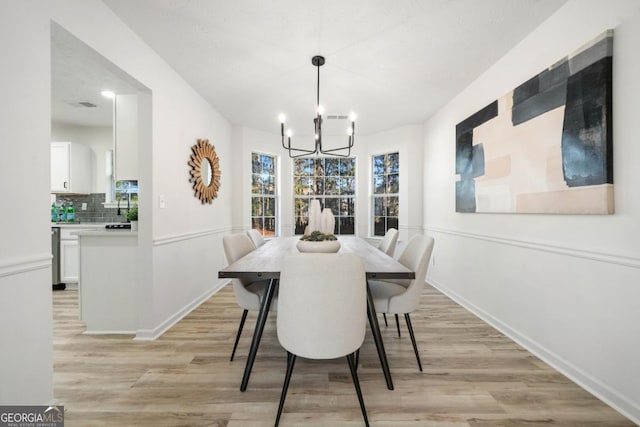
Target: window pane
{"x": 301, "y": 224}
{"x": 256, "y": 184}
{"x": 393, "y": 184}
{"x": 347, "y": 206}
{"x": 331, "y": 186}
{"x": 392, "y": 222}
{"x": 255, "y": 163}
{"x": 393, "y": 209}
{"x": 256, "y": 223}
{"x": 301, "y": 206}
{"x": 332, "y": 167}
{"x": 378, "y": 165}
{"x": 378, "y": 206}
{"x": 256, "y": 206}
{"x": 379, "y": 226}
{"x": 318, "y": 167}
{"x": 333, "y": 203}
{"x": 379, "y": 184}
{"x": 348, "y": 186}
{"x": 300, "y": 186}
{"x": 269, "y": 186}
{"x": 269, "y": 227}
{"x": 317, "y": 186}
{"x": 346, "y": 225}
{"x": 348, "y": 166}
{"x": 269, "y": 206}
{"x": 394, "y": 163}
{"x": 267, "y": 164}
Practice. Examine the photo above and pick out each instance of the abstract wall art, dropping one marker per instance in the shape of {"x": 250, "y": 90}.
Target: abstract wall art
{"x": 546, "y": 146}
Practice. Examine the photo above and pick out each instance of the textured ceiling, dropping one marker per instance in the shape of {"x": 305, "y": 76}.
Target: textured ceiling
{"x": 391, "y": 62}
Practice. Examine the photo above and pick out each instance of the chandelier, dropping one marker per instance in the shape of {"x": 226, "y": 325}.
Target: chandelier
{"x": 345, "y": 151}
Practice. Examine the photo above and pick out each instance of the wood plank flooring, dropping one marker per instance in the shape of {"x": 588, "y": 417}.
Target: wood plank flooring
{"x": 473, "y": 376}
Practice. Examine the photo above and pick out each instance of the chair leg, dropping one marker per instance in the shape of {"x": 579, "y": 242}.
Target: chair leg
{"x": 385, "y": 319}
{"x": 397, "y": 324}
{"x": 291, "y": 360}
{"x": 357, "y": 358}
{"x": 356, "y": 383}
{"x": 413, "y": 339}
{"x": 235, "y": 345}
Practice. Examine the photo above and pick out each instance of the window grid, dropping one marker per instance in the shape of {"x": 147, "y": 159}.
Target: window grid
{"x": 264, "y": 194}
{"x": 332, "y": 181}
{"x": 386, "y": 187}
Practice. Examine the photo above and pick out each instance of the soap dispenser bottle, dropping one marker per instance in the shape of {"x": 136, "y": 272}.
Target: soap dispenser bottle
{"x": 54, "y": 212}
{"x": 62, "y": 212}
{"x": 71, "y": 212}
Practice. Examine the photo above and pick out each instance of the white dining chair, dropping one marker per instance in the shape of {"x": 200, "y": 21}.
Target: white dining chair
{"x": 400, "y": 297}
{"x": 322, "y": 311}
{"x": 248, "y": 294}
{"x": 389, "y": 242}
{"x": 256, "y": 237}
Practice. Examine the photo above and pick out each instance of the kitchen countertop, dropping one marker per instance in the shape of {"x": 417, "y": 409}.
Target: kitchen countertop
{"x": 79, "y": 224}
{"x": 106, "y": 233}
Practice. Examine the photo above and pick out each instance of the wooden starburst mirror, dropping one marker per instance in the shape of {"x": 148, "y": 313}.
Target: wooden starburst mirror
{"x": 205, "y": 171}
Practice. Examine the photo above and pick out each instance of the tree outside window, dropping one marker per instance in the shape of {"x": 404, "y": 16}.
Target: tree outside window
{"x": 332, "y": 181}
{"x": 386, "y": 186}
{"x": 263, "y": 193}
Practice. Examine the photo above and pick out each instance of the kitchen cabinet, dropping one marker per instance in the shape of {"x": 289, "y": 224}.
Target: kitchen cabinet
{"x": 70, "y": 168}
{"x": 70, "y": 253}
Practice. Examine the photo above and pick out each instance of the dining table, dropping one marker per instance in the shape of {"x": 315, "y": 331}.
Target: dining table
{"x": 265, "y": 263}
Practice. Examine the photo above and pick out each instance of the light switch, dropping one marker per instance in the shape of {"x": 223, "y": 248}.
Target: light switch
{"x": 162, "y": 201}
{"x": 84, "y": 206}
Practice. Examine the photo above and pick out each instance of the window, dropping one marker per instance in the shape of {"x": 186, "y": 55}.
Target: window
{"x": 332, "y": 181}
{"x": 263, "y": 193}
{"x": 386, "y": 184}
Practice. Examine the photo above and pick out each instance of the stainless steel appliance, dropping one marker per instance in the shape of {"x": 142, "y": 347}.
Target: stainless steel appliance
{"x": 55, "y": 262}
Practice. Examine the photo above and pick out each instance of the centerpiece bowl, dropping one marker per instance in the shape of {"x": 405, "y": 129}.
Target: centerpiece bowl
{"x": 318, "y": 242}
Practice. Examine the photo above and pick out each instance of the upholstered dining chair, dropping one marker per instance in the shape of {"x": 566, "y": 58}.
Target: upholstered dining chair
{"x": 248, "y": 294}
{"x": 322, "y": 311}
{"x": 388, "y": 246}
{"x": 389, "y": 241}
{"x": 256, "y": 237}
{"x": 401, "y": 297}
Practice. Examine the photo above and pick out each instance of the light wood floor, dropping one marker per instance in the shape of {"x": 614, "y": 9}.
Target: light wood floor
{"x": 473, "y": 376}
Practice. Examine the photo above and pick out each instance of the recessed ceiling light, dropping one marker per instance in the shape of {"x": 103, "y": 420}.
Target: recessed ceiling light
{"x": 108, "y": 94}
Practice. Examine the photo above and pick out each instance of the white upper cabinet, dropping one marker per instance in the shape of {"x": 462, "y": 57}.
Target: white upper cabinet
{"x": 70, "y": 168}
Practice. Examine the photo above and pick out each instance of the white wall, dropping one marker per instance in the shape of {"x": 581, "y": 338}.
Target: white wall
{"x": 406, "y": 140}
{"x": 98, "y": 138}
{"x": 26, "y": 358}
{"x": 179, "y": 245}
{"x": 566, "y": 287}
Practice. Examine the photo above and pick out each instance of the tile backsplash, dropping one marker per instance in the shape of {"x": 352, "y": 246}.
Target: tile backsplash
{"x": 95, "y": 212}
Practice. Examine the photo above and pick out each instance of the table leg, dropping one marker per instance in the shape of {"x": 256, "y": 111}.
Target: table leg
{"x": 257, "y": 334}
{"x": 377, "y": 338}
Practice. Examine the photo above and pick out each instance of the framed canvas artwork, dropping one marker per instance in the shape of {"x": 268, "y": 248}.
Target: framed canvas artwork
{"x": 547, "y": 145}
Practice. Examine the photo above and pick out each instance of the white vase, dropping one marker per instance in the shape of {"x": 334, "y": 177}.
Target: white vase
{"x": 315, "y": 216}
{"x": 328, "y": 221}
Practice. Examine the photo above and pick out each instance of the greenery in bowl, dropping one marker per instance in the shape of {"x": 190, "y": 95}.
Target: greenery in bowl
{"x": 132, "y": 213}
{"x": 318, "y": 236}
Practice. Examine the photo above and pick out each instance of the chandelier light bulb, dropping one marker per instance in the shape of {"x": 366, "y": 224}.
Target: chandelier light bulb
{"x": 349, "y": 131}
{"x": 352, "y": 117}
{"x": 320, "y": 110}
{"x": 282, "y": 118}
{"x": 289, "y": 133}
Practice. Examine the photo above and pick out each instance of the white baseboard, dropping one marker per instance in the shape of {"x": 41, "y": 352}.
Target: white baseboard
{"x": 594, "y": 386}
{"x": 152, "y": 334}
